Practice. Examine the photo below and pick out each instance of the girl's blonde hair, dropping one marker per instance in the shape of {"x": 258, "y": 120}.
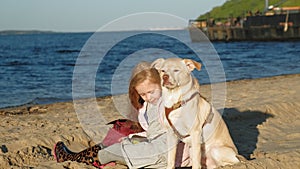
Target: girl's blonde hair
{"x": 140, "y": 73}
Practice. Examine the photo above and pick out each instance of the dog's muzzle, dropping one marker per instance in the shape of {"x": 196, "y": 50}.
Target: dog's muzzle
{"x": 166, "y": 81}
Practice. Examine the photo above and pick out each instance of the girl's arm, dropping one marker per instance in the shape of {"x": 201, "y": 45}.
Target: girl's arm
{"x": 143, "y": 122}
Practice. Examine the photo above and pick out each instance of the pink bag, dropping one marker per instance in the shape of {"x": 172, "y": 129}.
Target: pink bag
{"x": 121, "y": 128}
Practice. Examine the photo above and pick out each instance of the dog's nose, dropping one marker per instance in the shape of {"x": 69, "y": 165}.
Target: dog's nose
{"x": 165, "y": 77}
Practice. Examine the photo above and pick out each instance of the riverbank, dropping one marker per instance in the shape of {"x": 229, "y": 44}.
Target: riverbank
{"x": 263, "y": 116}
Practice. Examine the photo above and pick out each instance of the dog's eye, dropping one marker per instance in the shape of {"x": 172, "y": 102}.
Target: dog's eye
{"x": 176, "y": 70}
{"x": 163, "y": 71}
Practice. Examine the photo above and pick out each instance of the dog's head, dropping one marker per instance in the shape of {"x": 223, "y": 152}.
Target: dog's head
{"x": 175, "y": 72}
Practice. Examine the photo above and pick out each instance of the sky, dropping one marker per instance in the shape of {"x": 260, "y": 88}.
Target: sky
{"x": 90, "y": 15}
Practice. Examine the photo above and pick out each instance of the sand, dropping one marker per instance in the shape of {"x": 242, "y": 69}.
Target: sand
{"x": 263, "y": 116}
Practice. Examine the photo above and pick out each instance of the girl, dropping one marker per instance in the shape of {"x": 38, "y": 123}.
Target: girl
{"x": 151, "y": 152}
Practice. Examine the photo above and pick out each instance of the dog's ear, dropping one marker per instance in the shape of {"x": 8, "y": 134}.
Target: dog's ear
{"x": 191, "y": 64}
{"x": 157, "y": 63}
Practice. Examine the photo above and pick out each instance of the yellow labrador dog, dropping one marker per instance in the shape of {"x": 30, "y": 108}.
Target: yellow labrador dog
{"x": 192, "y": 118}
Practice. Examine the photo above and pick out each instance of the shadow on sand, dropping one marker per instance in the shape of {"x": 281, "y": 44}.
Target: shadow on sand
{"x": 243, "y": 128}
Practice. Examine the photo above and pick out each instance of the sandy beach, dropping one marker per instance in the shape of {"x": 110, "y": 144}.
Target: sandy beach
{"x": 263, "y": 116}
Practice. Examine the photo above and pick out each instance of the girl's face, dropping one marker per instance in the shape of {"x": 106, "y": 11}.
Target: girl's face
{"x": 150, "y": 92}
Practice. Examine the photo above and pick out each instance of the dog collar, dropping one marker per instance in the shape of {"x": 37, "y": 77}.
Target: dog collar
{"x": 181, "y": 103}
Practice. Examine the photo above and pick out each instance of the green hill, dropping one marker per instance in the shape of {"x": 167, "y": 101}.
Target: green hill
{"x": 235, "y": 8}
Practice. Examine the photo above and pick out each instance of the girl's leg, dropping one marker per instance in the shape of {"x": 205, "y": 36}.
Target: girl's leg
{"x": 88, "y": 156}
